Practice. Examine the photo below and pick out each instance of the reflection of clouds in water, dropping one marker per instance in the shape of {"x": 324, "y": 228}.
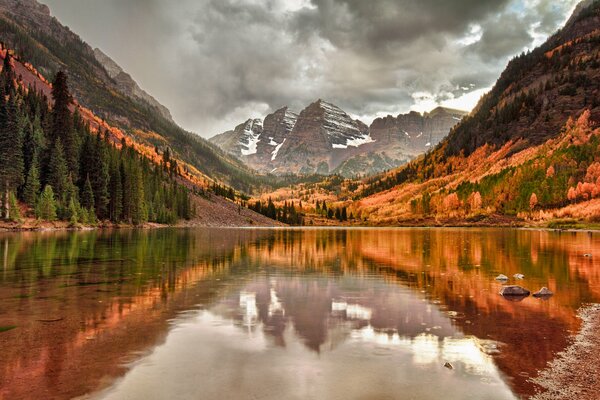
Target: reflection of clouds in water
{"x": 208, "y": 355}
{"x": 353, "y": 311}
{"x": 248, "y": 305}
{"x": 275, "y": 306}
{"x": 428, "y": 344}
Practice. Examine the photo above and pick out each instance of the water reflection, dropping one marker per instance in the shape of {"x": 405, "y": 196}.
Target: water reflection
{"x": 286, "y": 313}
{"x": 242, "y": 349}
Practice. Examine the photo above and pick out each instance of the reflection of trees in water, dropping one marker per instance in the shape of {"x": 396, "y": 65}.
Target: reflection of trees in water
{"x": 141, "y": 278}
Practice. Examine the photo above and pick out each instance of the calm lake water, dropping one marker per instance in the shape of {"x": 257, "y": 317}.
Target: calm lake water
{"x": 286, "y": 314}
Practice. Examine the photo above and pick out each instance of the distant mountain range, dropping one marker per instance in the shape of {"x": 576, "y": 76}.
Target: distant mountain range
{"x": 324, "y": 139}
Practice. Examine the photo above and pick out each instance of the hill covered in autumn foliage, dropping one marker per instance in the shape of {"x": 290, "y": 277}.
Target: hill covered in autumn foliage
{"x": 527, "y": 154}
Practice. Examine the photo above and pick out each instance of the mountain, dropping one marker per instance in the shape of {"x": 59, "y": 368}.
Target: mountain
{"x": 28, "y": 28}
{"x": 528, "y": 154}
{"x": 397, "y": 140}
{"x": 529, "y": 150}
{"x": 324, "y": 139}
{"x": 127, "y": 85}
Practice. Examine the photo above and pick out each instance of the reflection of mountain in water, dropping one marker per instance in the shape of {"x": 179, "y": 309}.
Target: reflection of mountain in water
{"x": 330, "y": 288}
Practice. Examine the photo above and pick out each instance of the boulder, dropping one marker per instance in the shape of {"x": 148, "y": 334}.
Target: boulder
{"x": 514, "y": 290}
{"x": 543, "y": 292}
{"x": 502, "y": 277}
{"x": 518, "y": 276}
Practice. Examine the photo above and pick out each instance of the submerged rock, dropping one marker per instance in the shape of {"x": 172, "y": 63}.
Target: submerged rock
{"x": 502, "y": 277}
{"x": 543, "y": 292}
{"x": 514, "y": 290}
{"x": 518, "y": 276}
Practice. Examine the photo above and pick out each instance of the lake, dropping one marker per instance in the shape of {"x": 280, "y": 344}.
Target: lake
{"x": 286, "y": 313}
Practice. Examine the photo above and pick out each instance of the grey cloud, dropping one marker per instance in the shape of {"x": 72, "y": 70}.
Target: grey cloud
{"x": 216, "y": 62}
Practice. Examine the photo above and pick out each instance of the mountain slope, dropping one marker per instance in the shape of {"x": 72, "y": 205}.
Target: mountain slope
{"x": 127, "y": 85}
{"x": 539, "y": 90}
{"x": 520, "y": 153}
{"x": 27, "y": 27}
{"x": 528, "y": 154}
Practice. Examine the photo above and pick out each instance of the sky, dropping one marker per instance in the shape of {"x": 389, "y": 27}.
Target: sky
{"x": 216, "y": 63}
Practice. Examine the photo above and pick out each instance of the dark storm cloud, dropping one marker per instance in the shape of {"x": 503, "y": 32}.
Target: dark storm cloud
{"x": 217, "y": 62}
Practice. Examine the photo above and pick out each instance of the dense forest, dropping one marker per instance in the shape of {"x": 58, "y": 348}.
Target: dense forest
{"x": 52, "y": 162}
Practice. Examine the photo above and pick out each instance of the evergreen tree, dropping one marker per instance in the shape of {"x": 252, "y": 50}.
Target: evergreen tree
{"x": 62, "y": 123}
{"x": 46, "y": 208}
{"x": 58, "y": 173}
{"x": 15, "y": 214}
{"x": 87, "y": 196}
{"x": 72, "y": 212}
{"x": 100, "y": 178}
{"x": 8, "y": 76}
{"x": 32, "y": 184}
{"x": 115, "y": 192}
{"x": 33, "y": 142}
{"x": 11, "y": 155}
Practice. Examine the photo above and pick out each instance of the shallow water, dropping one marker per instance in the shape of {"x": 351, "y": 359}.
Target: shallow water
{"x": 286, "y": 314}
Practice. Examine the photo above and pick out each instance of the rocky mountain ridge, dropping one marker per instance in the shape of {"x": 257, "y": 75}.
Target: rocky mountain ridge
{"x": 128, "y": 85}
{"x": 324, "y": 139}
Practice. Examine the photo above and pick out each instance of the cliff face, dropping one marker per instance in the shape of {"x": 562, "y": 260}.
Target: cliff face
{"x": 324, "y": 139}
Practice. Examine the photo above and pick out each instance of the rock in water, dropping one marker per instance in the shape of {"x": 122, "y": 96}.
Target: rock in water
{"x": 502, "y": 277}
{"x": 514, "y": 290}
{"x": 449, "y": 366}
{"x": 518, "y": 276}
{"x": 543, "y": 292}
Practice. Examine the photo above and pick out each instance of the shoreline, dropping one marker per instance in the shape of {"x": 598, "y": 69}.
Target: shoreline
{"x": 62, "y": 226}
{"x": 574, "y": 373}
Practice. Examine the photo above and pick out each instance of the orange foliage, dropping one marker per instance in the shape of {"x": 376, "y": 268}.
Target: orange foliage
{"x": 533, "y": 201}
{"x": 475, "y": 201}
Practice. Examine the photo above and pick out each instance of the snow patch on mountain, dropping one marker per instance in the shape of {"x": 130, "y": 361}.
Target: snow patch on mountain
{"x": 354, "y": 142}
{"x": 276, "y": 151}
{"x": 251, "y": 137}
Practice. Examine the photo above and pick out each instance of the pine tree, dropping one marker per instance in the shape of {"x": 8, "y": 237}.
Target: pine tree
{"x": 87, "y": 196}
{"x": 58, "y": 173}
{"x": 100, "y": 178}
{"x": 33, "y": 142}
{"x": 8, "y": 76}
{"x": 32, "y": 184}
{"x": 115, "y": 192}
{"x": 15, "y": 214}
{"x": 138, "y": 209}
{"x": 62, "y": 123}
{"x": 11, "y": 155}
{"x": 46, "y": 208}
{"x": 72, "y": 212}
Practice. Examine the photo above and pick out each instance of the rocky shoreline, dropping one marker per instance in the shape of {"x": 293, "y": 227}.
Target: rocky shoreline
{"x": 575, "y": 373}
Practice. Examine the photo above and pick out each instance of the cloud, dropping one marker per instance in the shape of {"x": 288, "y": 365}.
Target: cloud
{"x": 217, "y": 62}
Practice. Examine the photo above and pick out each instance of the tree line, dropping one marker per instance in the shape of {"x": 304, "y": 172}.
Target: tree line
{"x": 52, "y": 161}
{"x": 288, "y": 214}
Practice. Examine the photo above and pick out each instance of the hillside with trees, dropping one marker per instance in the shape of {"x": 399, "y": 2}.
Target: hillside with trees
{"x": 527, "y": 154}
{"x": 52, "y": 162}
